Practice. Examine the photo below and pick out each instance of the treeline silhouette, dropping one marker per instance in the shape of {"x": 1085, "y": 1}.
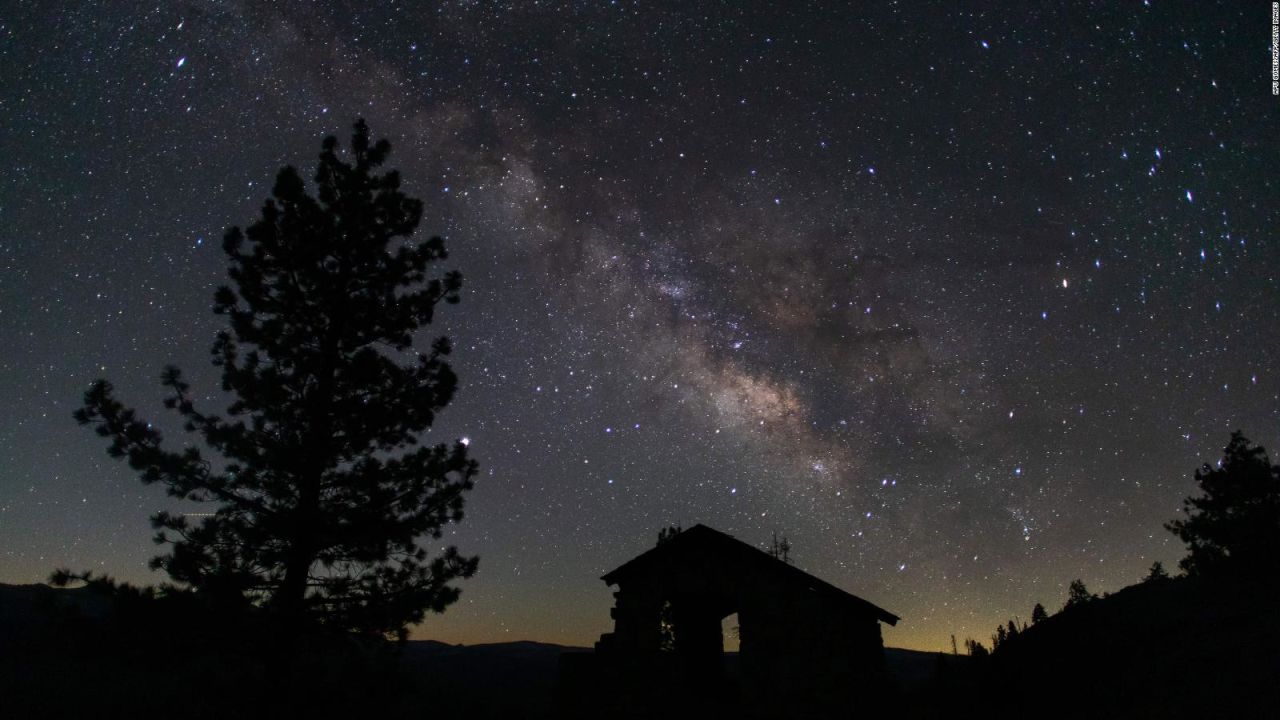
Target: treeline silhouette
{"x": 1077, "y": 594}
{"x": 1203, "y": 643}
{"x": 1232, "y": 532}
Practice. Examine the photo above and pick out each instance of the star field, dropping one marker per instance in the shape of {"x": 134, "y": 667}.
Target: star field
{"x": 955, "y": 299}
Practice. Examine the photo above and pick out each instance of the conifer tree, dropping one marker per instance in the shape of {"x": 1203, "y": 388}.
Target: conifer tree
{"x": 1234, "y": 525}
{"x": 322, "y": 495}
{"x": 1038, "y": 614}
{"x": 1078, "y": 594}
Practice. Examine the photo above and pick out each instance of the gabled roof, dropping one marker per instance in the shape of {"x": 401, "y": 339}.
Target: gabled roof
{"x": 701, "y": 535}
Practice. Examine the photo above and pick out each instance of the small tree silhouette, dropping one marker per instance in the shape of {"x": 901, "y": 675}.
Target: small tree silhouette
{"x": 1234, "y": 525}
{"x": 1038, "y": 614}
{"x": 1157, "y": 573}
{"x": 781, "y": 549}
{"x": 1078, "y": 594}
{"x": 322, "y": 495}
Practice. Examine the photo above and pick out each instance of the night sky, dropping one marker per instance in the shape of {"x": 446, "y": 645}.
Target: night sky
{"x": 954, "y": 297}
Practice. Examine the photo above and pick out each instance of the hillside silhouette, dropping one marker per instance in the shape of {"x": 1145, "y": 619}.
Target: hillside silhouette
{"x": 1187, "y": 647}
{"x": 1204, "y": 644}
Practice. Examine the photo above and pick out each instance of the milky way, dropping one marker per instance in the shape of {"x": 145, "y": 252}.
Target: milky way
{"x": 954, "y": 299}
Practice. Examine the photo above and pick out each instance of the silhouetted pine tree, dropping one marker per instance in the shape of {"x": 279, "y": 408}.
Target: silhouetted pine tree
{"x": 1078, "y": 594}
{"x": 322, "y": 494}
{"x": 1038, "y": 614}
{"x": 1235, "y": 524}
{"x": 1157, "y": 573}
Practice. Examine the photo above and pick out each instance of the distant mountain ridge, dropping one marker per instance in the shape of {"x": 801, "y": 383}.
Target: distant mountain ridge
{"x": 22, "y": 607}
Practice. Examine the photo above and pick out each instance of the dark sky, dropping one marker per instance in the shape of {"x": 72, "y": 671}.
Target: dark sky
{"x": 955, "y": 297}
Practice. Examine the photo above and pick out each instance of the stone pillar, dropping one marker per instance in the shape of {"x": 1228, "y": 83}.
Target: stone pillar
{"x": 636, "y": 629}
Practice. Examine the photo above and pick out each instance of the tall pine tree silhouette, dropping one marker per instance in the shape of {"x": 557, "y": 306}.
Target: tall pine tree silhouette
{"x": 1234, "y": 525}
{"x": 322, "y": 494}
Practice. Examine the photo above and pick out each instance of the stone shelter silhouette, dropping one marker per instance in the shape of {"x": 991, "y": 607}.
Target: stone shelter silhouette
{"x": 800, "y": 639}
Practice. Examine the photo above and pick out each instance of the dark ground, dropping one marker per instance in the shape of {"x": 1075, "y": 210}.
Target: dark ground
{"x": 1172, "y": 649}
{"x": 518, "y": 679}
